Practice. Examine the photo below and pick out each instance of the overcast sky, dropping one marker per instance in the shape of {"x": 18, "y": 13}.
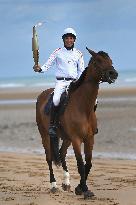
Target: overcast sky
{"x": 108, "y": 25}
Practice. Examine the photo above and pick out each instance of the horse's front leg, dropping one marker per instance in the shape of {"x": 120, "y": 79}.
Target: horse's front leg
{"x": 63, "y": 152}
{"x": 82, "y": 187}
{"x": 88, "y": 147}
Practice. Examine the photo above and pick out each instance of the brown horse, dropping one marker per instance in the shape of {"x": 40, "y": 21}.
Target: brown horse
{"x": 78, "y": 123}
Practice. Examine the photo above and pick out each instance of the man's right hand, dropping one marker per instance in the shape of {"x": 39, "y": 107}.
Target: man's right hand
{"x": 37, "y": 68}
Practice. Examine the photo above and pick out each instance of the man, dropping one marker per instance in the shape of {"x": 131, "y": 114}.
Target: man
{"x": 69, "y": 66}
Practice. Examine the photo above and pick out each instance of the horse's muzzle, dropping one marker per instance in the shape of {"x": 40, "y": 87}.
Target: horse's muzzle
{"x": 111, "y": 75}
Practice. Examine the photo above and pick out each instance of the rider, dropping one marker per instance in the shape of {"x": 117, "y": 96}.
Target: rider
{"x": 69, "y": 66}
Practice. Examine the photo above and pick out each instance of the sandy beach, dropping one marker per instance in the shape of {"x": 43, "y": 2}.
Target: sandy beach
{"x": 24, "y": 176}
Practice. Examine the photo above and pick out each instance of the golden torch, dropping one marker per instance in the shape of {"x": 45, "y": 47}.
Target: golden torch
{"x": 35, "y": 46}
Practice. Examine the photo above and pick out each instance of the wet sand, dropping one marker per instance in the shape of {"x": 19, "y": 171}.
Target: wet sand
{"x": 24, "y": 176}
{"x": 24, "y": 180}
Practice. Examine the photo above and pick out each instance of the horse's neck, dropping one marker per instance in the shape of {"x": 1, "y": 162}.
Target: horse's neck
{"x": 87, "y": 94}
{"x": 91, "y": 74}
{"x": 91, "y": 84}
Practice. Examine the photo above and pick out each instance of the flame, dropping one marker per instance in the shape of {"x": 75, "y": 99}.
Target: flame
{"x": 39, "y": 24}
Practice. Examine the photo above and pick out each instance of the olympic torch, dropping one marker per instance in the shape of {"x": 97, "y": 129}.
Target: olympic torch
{"x": 35, "y": 46}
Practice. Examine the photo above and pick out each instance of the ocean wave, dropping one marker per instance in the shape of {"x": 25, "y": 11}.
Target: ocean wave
{"x": 130, "y": 80}
{"x": 124, "y": 79}
{"x": 100, "y": 100}
{"x": 117, "y": 99}
{"x": 19, "y": 85}
{"x": 12, "y": 85}
{"x": 17, "y": 102}
{"x": 114, "y": 155}
{"x": 42, "y": 84}
{"x": 100, "y": 155}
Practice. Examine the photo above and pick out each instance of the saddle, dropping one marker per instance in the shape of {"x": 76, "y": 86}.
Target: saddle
{"x": 62, "y": 105}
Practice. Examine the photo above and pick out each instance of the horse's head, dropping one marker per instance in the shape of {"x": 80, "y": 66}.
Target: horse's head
{"x": 103, "y": 67}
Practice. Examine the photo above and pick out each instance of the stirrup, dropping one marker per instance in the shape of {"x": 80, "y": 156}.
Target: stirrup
{"x": 52, "y": 130}
{"x": 96, "y": 131}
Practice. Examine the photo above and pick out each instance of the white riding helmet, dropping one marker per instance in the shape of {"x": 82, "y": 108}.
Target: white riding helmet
{"x": 69, "y": 31}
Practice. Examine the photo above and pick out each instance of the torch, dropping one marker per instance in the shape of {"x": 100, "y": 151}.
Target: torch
{"x": 35, "y": 46}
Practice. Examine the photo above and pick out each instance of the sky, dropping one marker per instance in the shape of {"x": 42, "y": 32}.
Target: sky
{"x": 108, "y": 25}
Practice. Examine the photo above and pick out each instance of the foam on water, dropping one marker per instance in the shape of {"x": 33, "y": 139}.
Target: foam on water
{"x": 17, "y": 102}
{"x": 111, "y": 155}
{"x": 11, "y": 85}
{"x": 32, "y": 81}
{"x": 114, "y": 155}
{"x": 133, "y": 80}
{"x": 117, "y": 99}
{"x": 126, "y": 78}
{"x": 103, "y": 100}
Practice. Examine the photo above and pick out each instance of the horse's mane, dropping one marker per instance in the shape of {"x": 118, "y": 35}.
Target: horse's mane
{"x": 74, "y": 86}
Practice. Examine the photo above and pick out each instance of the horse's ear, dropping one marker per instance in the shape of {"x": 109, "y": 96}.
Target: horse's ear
{"x": 91, "y": 52}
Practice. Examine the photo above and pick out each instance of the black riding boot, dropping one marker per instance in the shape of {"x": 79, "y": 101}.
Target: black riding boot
{"x": 53, "y": 134}
{"x": 53, "y": 126}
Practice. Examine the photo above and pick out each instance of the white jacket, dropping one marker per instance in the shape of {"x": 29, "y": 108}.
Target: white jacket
{"x": 69, "y": 63}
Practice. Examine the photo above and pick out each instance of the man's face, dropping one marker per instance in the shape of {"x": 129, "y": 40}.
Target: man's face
{"x": 69, "y": 41}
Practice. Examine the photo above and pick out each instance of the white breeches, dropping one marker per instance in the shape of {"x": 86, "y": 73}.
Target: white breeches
{"x": 60, "y": 87}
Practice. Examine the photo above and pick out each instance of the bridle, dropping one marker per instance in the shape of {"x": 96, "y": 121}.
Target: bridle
{"x": 103, "y": 73}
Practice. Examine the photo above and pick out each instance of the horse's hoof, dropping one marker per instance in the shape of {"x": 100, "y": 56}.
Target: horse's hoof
{"x": 88, "y": 194}
{"x": 54, "y": 190}
{"x": 78, "y": 190}
{"x": 66, "y": 187}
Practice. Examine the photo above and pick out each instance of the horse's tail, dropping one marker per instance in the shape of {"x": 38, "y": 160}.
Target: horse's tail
{"x": 54, "y": 143}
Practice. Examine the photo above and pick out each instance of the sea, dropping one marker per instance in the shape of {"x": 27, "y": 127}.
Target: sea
{"x": 126, "y": 78}
{"x": 27, "y": 81}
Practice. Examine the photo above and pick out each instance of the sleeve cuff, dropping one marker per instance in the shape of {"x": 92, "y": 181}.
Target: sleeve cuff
{"x": 44, "y": 68}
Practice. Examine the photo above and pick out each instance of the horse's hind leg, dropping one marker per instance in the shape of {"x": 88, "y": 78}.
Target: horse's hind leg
{"x": 46, "y": 145}
{"x": 63, "y": 152}
{"x": 54, "y": 188}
